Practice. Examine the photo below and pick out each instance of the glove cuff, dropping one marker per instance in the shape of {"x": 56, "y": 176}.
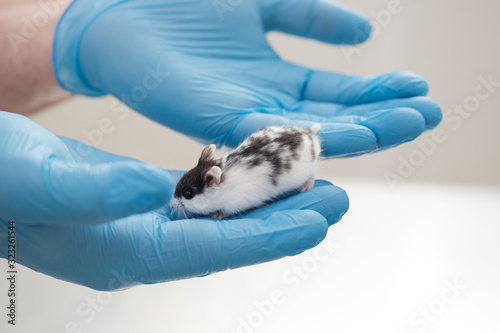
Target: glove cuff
{"x": 65, "y": 51}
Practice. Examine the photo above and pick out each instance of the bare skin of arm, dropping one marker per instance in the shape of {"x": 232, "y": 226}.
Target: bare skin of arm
{"x": 27, "y": 81}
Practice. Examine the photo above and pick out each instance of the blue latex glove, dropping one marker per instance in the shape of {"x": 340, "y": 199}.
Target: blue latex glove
{"x": 204, "y": 68}
{"x": 84, "y": 216}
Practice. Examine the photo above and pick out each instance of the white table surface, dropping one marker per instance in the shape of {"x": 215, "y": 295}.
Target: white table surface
{"x": 394, "y": 254}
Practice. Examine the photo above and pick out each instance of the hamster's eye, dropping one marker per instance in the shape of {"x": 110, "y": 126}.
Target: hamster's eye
{"x": 188, "y": 194}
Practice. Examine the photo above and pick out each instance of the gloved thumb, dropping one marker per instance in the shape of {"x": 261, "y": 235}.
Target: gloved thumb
{"x": 78, "y": 193}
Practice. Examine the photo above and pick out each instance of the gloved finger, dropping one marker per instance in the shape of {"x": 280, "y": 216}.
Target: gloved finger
{"x": 197, "y": 247}
{"x": 330, "y": 201}
{"x": 77, "y": 193}
{"x": 91, "y": 194}
{"x": 391, "y": 127}
{"x": 337, "y": 139}
{"x": 395, "y": 126}
{"x": 329, "y": 22}
{"x": 429, "y": 109}
{"x": 323, "y": 86}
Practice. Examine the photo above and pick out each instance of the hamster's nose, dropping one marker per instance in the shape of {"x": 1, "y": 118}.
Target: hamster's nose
{"x": 175, "y": 203}
{"x": 177, "y": 210}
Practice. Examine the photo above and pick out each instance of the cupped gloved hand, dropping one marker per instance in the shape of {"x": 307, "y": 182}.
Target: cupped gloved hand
{"x": 100, "y": 220}
{"x": 205, "y": 68}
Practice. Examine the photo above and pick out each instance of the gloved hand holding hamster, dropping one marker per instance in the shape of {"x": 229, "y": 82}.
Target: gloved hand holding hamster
{"x": 271, "y": 162}
{"x": 118, "y": 208}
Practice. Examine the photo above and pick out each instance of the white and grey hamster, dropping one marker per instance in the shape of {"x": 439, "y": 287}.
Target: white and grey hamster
{"x": 271, "y": 162}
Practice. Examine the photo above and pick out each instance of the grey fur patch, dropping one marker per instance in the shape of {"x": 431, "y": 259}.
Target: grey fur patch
{"x": 278, "y": 150}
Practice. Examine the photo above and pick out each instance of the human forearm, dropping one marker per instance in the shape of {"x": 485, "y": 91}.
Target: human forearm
{"x": 27, "y": 82}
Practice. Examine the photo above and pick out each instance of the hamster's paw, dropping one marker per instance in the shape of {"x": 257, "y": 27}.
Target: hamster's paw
{"x": 218, "y": 215}
{"x": 309, "y": 184}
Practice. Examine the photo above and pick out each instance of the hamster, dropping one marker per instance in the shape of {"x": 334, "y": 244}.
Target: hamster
{"x": 271, "y": 162}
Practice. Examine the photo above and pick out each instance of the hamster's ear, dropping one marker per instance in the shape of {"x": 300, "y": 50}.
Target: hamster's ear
{"x": 213, "y": 175}
{"x": 315, "y": 128}
{"x": 207, "y": 152}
